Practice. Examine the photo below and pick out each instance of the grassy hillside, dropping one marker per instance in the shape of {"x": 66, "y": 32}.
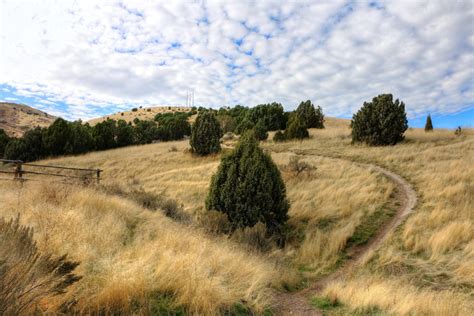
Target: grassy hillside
{"x": 16, "y": 119}
{"x": 140, "y": 113}
{"x": 146, "y": 244}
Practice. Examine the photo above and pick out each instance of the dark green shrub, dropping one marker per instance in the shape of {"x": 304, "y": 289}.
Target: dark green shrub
{"x": 134, "y": 109}
{"x": 296, "y": 128}
{"x": 16, "y": 149}
{"x": 244, "y": 125}
{"x": 4, "y": 139}
{"x": 206, "y": 134}
{"x": 248, "y": 188}
{"x": 312, "y": 118}
{"x": 145, "y": 131}
{"x": 429, "y": 124}
{"x": 380, "y": 122}
{"x": 261, "y": 130}
{"x": 82, "y": 140}
{"x": 227, "y": 123}
{"x": 279, "y": 137}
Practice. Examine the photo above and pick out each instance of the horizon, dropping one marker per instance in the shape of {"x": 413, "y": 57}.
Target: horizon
{"x": 86, "y": 60}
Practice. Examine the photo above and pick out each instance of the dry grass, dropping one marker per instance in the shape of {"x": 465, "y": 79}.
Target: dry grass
{"x": 127, "y": 253}
{"x": 16, "y": 119}
{"x": 397, "y": 298}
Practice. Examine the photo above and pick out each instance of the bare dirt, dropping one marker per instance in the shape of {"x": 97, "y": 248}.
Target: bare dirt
{"x": 298, "y": 303}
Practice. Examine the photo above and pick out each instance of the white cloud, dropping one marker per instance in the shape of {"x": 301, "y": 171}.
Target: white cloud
{"x": 98, "y": 56}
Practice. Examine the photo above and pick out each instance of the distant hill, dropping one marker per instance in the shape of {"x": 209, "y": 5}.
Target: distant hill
{"x": 140, "y": 113}
{"x": 16, "y": 119}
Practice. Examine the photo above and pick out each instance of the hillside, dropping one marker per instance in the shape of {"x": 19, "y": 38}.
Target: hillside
{"x": 16, "y": 119}
{"x": 160, "y": 250}
{"x": 140, "y": 113}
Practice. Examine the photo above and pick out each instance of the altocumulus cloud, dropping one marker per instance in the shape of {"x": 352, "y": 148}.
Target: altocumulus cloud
{"x": 96, "y": 56}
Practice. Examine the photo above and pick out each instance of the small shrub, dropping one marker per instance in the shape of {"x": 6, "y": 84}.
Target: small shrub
{"x": 429, "y": 124}
{"x": 279, "y": 137}
{"x": 458, "y": 131}
{"x": 121, "y": 114}
{"x": 28, "y": 276}
{"x": 148, "y": 110}
{"x": 298, "y": 167}
{"x": 134, "y": 109}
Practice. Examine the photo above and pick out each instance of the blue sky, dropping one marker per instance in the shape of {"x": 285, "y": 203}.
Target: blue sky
{"x": 82, "y": 59}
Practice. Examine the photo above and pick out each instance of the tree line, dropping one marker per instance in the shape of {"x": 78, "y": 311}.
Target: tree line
{"x": 72, "y": 138}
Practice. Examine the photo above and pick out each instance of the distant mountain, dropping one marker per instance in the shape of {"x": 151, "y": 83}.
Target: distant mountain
{"x": 16, "y": 119}
{"x": 141, "y": 113}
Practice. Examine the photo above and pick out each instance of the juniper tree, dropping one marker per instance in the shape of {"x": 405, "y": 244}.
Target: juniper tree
{"x": 205, "y": 134}
{"x": 429, "y": 124}
{"x": 248, "y": 188}
{"x": 380, "y": 122}
{"x": 312, "y": 118}
{"x": 296, "y": 128}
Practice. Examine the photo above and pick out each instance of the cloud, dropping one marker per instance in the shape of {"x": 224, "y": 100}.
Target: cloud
{"x": 104, "y": 56}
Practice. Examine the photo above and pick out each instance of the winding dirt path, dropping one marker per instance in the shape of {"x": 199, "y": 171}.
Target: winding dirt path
{"x": 298, "y": 303}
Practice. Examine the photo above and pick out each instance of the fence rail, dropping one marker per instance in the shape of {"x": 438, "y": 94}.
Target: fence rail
{"x": 19, "y": 171}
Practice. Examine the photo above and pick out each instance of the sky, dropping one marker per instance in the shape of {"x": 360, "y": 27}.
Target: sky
{"x": 83, "y": 59}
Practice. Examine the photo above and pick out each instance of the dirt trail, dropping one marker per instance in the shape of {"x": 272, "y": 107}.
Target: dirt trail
{"x": 297, "y": 303}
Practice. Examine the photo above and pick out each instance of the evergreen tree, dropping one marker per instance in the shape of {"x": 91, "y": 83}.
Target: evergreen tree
{"x": 4, "y": 139}
{"x": 56, "y": 138}
{"x": 125, "y": 135}
{"x": 312, "y": 118}
{"x": 248, "y": 187}
{"x": 33, "y": 142}
{"x": 205, "y": 134}
{"x": 145, "y": 131}
{"x": 104, "y": 134}
{"x": 261, "y": 130}
{"x": 380, "y": 122}
{"x": 82, "y": 140}
{"x": 296, "y": 128}
{"x": 429, "y": 124}
{"x": 16, "y": 150}
{"x": 279, "y": 137}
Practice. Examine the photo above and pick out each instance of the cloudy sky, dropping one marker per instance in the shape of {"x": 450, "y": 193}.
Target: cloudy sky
{"x": 81, "y": 59}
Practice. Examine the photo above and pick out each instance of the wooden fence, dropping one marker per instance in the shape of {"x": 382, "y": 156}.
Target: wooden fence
{"x": 23, "y": 171}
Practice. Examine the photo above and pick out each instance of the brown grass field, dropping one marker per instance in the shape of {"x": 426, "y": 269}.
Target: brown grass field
{"x": 138, "y": 261}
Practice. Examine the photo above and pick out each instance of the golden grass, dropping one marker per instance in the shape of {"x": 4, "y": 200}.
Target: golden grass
{"x": 127, "y": 253}
{"x": 397, "y": 298}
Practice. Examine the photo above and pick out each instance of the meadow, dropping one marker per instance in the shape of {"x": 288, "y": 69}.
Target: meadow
{"x": 147, "y": 245}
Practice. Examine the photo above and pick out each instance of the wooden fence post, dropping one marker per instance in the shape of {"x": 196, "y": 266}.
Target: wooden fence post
{"x": 18, "y": 170}
{"x": 98, "y": 175}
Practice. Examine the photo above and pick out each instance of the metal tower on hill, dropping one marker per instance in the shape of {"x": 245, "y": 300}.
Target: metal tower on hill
{"x": 190, "y": 98}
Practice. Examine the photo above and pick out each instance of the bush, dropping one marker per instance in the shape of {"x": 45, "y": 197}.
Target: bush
{"x": 429, "y": 124}
{"x": 297, "y": 167}
{"x": 261, "y": 130}
{"x": 134, "y": 109}
{"x": 312, "y": 118}
{"x": 380, "y": 122}
{"x": 279, "y": 137}
{"x": 296, "y": 128}
{"x": 458, "y": 131}
{"x": 248, "y": 188}
{"x": 26, "y": 275}
{"x": 206, "y": 134}
{"x": 4, "y": 139}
